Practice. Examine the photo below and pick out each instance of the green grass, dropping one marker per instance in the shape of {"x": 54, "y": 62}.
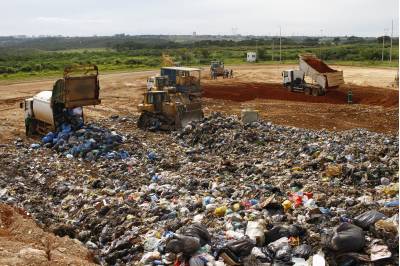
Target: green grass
{"x": 32, "y": 64}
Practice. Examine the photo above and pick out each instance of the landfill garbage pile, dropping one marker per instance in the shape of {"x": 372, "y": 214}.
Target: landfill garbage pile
{"x": 90, "y": 142}
{"x": 218, "y": 193}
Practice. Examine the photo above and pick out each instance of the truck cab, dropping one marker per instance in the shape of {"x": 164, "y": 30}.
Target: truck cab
{"x": 292, "y": 78}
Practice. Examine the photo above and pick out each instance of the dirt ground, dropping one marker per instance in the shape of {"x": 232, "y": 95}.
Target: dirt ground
{"x": 22, "y": 242}
{"x": 256, "y": 86}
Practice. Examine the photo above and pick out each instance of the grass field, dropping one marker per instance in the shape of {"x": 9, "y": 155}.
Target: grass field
{"x": 34, "y": 63}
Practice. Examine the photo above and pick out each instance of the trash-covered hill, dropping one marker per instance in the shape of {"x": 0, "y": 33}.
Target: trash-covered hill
{"x": 296, "y": 194}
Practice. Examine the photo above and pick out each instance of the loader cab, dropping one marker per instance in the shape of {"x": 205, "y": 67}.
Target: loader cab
{"x": 156, "y": 99}
{"x": 157, "y": 83}
{"x": 184, "y": 79}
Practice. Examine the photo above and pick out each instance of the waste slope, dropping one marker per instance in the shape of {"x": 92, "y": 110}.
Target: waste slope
{"x": 241, "y": 92}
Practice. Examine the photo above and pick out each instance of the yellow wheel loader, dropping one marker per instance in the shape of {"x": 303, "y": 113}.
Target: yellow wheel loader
{"x": 172, "y": 100}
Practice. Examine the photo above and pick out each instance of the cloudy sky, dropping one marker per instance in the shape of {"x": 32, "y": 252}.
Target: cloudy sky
{"x": 257, "y": 17}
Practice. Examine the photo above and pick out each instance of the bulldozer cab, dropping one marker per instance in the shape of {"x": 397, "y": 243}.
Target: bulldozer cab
{"x": 79, "y": 87}
{"x": 157, "y": 83}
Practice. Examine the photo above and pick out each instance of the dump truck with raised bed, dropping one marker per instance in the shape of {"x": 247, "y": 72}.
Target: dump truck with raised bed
{"x": 322, "y": 75}
{"x": 50, "y": 109}
{"x": 172, "y": 99}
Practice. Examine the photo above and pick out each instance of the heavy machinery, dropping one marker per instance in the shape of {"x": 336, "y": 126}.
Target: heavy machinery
{"x": 172, "y": 99}
{"x": 322, "y": 75}
{"x": 48, "y": 110}
{"x": 217, "y": 68}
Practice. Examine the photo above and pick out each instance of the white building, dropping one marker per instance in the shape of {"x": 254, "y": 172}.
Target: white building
{"x": 251, "y": 56}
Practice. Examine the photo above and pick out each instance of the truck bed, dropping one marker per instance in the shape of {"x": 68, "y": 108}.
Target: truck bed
{"x": 320, "y": 72}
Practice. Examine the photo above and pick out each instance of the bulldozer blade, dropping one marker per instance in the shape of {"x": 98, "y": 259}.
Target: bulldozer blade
{"x": 153, "y": 122}
{"x": 187, "y": 117}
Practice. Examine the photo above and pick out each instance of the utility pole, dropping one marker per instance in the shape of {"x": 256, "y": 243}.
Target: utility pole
{"x": 273, "y": 44}
{"x": 280, "y": 44}
{"x": 383, "y": 42}
{"x": 320, "y": 45}
{"x": 391, "y": 44}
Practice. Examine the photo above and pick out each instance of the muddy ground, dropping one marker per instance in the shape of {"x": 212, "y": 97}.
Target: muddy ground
{"x": 256, "y": 86}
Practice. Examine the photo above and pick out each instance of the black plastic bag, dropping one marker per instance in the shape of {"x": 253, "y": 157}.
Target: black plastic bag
{"x": 302, "y": 251}
{"x": 241, "y": 247}
{"x": 199, "y": 231}
{"x": 283, "y": 231}
{"x": 348, "y": 238}
{"x": 188, "y": 245}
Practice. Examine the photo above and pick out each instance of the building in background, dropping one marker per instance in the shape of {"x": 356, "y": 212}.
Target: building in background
{"x": 251, "y": 56}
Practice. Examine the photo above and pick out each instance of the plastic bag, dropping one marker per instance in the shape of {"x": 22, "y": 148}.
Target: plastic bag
{"x": 282, "y": 231}
{"x": 188, "y": 245}
{"x": 348, "y": 238}
{"x": 199, "y": 231}
{"x": 241, "y": 247}
{"x": 302, "y": 251}
{"x": 368, "y": 218}
{"x": 255, "y": 231}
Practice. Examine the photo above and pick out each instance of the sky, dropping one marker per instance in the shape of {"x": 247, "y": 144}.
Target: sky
{"x": 182, "y": 17}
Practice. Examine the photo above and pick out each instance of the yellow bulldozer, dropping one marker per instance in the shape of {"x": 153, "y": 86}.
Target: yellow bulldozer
{"x": 171, "y": 100}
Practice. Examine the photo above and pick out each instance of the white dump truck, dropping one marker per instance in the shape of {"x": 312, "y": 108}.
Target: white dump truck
{"x": 48, "y": 110}
{"x": 322, "y": 75}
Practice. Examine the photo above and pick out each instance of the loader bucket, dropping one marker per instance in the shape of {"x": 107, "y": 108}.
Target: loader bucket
{"x": 189, "y": 115}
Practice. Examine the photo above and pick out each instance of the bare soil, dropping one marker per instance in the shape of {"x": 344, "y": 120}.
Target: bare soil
{"x": 22, "y": 242}
{"x": 375, "y": 108}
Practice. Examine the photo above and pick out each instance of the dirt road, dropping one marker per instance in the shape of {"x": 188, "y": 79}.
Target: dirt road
{"x": 121, "y": 93}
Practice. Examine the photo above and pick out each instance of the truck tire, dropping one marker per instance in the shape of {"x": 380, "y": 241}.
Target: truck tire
{"x": 307, "y": 91}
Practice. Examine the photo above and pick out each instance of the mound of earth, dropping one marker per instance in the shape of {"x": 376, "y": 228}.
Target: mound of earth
{"x": 241, "y": 92}
{"x": 22, "y": 242}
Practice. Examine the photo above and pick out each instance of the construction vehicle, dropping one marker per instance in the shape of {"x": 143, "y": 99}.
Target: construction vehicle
{"x": 217, "y": 69}
{"x": 172, "y": 99}
{"x": 49, "y": 110}
{"x": 322, "y": 75}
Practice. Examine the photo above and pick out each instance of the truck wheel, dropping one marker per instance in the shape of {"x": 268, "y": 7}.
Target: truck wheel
{"x": 315, "y": 92}
{"x": 307, "y": 91}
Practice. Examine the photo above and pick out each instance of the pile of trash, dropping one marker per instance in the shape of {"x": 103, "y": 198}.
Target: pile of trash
{"x": 218, "y": 193}
{"x": 89, "y": 142}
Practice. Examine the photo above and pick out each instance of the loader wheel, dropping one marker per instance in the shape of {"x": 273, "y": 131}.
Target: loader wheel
{"x": 307, "y": 91}
{"x": 315, "y": 92}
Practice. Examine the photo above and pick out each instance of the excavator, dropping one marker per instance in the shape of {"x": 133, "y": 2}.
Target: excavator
{"x": 171, "y": 100}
